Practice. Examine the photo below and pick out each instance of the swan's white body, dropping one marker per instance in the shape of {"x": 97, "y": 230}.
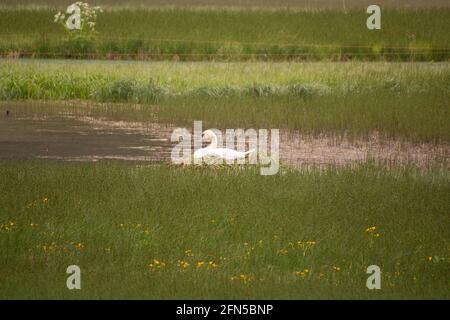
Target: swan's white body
{"x": 222, "y": 153}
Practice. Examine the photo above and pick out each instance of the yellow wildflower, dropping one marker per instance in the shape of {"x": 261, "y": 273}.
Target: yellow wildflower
{"x": 302, "y": 273}
{"x": 183, "y": 264}
{"x": 156, "y": 264}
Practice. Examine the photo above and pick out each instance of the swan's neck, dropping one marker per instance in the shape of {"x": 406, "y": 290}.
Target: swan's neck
{"x": 213, "y": 144}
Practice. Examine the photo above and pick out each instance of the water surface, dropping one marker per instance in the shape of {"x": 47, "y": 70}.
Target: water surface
{"x": 86, "y": 132}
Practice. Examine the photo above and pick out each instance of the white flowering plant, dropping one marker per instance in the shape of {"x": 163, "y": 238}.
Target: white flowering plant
{"x": 80, "y": 20}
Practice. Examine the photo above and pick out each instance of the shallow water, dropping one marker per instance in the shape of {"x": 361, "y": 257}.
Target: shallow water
{"x": 77, "y": 137}
{"x": 35, "y": 130}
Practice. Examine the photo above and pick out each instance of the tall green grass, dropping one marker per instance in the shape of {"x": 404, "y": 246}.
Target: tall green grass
{"x": 129, "y": 81}
{"x": 238, "y": 34}
{"x": 259, "y": 233}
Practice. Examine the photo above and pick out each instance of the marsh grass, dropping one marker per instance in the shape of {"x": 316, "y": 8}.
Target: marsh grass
{"x": 66, "y": 79}
{"x": 232, "y": 34}
{"x": 418, "y": 118}
{"x": 408, "y": 100}
{"x": 221, "y": 233}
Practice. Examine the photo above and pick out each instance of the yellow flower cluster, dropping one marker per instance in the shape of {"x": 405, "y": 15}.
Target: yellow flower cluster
{"x": 303, "y": 273}
{"x": 183, "y": 264}
{"x": 243, "y": 278}
{"x": 11, "y": 225}
{"x": 78, "y": 245}
{"x": 8, "y": 226}
{"x": 303, "y": 245}
{"x": 53, "y": 247}
{"x": 372, "y": 231}
{"x": 156, "y": 264}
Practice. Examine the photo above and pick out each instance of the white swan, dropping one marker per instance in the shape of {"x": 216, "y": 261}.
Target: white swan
{"x": 214, "y": 152}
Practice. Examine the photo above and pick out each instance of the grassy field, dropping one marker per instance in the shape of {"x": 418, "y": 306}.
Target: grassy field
{"x": 165, "y": 232}
{"x": 403, "y": 100}
{"x": 232, "y": 34}
{"x": 239, "y": 3}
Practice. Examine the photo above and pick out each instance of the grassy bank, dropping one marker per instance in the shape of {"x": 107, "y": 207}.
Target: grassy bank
{"x": 221, "y": 233}
{"x": 400, "y": 100}
{"x": 145, "y": 82}
{"x": 233, "y": 34}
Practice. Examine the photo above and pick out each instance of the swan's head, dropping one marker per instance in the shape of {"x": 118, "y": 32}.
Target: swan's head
{"x": 209, "y": 135}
